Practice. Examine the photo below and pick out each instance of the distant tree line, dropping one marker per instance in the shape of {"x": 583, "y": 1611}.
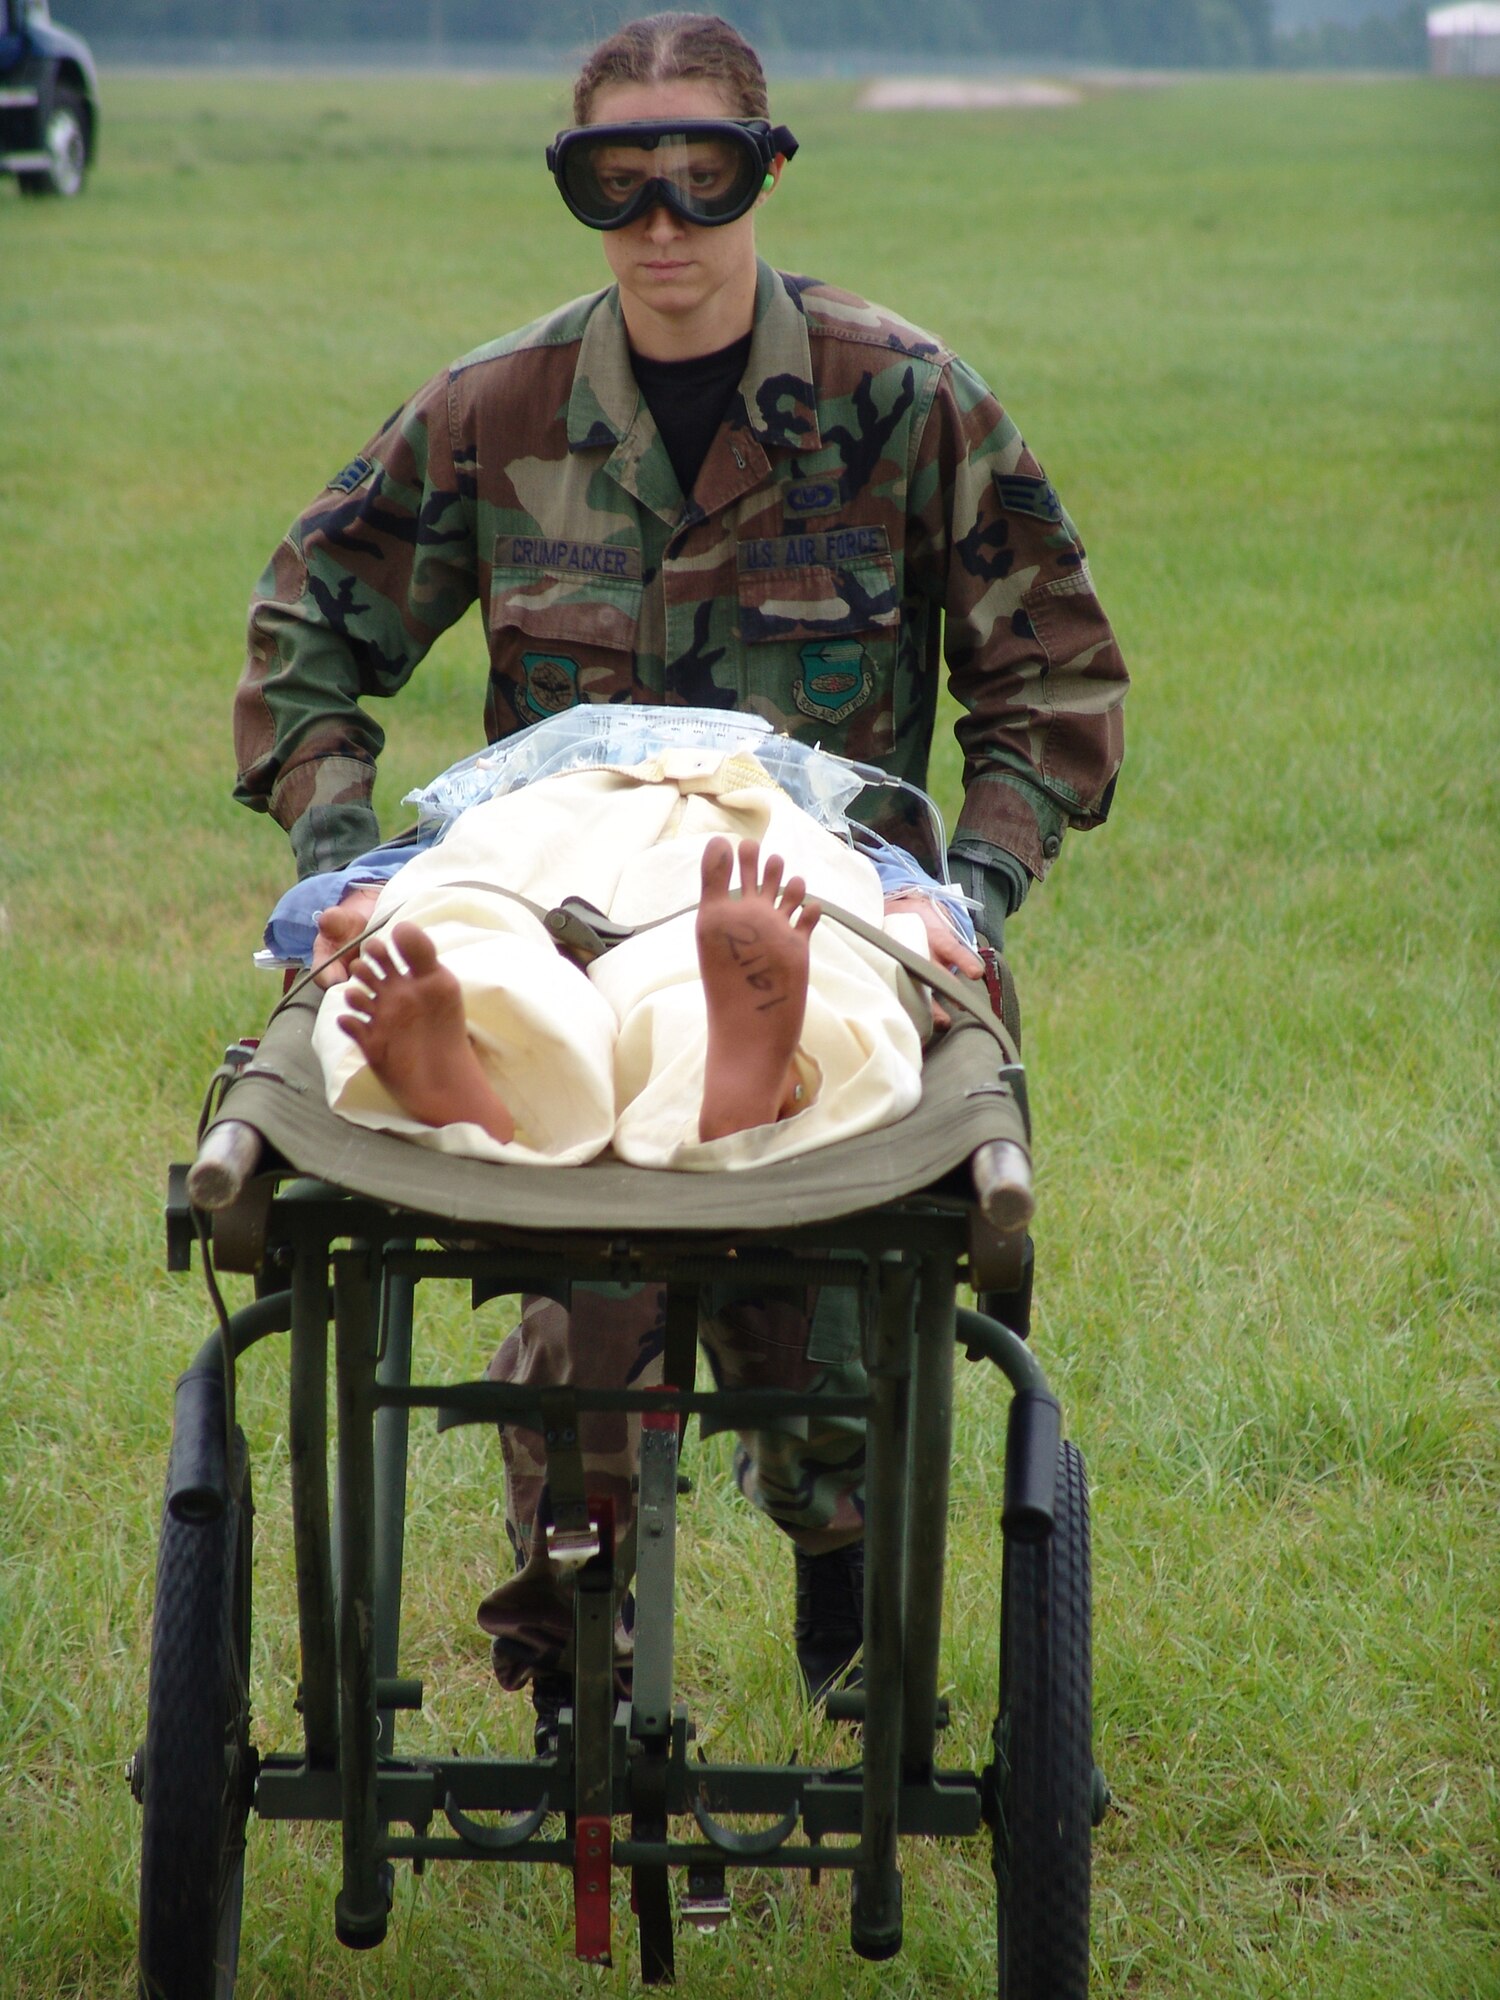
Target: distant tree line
{"x": 1171, "y": 34}
{"x": 1381, "y": 41}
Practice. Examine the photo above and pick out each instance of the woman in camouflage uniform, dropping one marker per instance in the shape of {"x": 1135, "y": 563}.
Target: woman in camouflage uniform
{"x": 712, "y": 483}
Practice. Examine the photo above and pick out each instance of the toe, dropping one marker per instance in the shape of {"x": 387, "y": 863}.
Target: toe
{"x": 415, "y": 946}
{"x": 357, "y": 1030}
{"x": 718, "y": 866}
{"x": 374, "y": 961}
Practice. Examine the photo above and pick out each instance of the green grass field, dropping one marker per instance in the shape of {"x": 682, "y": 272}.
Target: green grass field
{"x": 1251, "y": 329}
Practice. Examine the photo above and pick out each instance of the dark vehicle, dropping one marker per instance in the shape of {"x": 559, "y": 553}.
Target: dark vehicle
{"x": 49, "y": 101}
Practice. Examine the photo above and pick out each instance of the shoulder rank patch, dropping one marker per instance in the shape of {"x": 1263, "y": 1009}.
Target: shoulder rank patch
{"x": 1023, "y": 493}
{"x": 355, "y": 473}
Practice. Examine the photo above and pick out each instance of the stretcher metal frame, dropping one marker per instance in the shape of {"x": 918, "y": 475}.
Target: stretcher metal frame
{"x": 622, "y": 1788}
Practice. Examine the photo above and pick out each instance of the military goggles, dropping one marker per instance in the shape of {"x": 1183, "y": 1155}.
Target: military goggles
{"x": 705, "y": 170}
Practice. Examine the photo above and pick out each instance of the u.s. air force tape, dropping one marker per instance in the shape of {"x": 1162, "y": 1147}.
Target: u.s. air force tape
{"x": 824, "y": 550}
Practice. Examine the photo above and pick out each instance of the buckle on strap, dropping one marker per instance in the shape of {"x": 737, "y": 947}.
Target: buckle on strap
{"x": 572, "y": 1536}
{"x": 583, "y": 932}
{"x": 571, "y": 1548}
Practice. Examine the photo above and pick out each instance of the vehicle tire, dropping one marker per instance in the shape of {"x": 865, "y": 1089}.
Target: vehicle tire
{"x": 197, "y": 1770}
{"x": 1043, "y": 1774}
{"x": 65, "y": 138}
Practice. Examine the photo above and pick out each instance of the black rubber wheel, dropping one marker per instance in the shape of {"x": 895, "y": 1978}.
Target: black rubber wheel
{"x": 197, "y": 1769}
{"x": 1043, "y": 1775}
{"x": 65, "y": 139}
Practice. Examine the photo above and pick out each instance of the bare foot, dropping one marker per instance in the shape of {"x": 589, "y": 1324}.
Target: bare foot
{"x": 752, "y": 953}
{"x": 410, "y": 1029}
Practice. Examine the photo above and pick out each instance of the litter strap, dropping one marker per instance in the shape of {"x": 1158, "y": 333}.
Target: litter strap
{"x": 572, "y": 926}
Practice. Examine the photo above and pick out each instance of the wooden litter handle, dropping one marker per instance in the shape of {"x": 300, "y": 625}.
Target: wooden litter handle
{"x": 228, "y": 1157}
{"x": 1003, "y": 1183}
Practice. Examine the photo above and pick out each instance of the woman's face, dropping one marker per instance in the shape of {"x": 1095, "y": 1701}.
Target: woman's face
{"x": 684, "y": 289}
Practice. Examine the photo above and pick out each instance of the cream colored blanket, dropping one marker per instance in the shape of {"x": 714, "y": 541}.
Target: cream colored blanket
{"x": 615, "y": 1056}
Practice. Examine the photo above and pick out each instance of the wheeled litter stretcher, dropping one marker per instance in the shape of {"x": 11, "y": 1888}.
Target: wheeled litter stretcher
{"x": 341, "y": 1227}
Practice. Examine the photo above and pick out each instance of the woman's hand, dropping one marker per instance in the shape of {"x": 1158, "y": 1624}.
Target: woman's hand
{"x": 944, "y": 945}
{"x": 337, "y": 930}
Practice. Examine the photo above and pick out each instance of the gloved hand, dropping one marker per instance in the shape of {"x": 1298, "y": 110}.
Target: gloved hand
{"x": 996, "y": 881}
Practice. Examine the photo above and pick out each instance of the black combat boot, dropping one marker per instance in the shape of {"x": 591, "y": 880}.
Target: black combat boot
{"x": 551, "y": 1693}
{"x": 830, "y": 1626}
{"x": 552, "y": 1689}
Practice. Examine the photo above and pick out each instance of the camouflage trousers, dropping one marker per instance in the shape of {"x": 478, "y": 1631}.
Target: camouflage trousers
{"x": 807, "y": 1474}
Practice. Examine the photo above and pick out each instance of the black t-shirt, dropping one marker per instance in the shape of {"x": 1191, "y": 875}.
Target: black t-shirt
{"x": 688, "y": 400}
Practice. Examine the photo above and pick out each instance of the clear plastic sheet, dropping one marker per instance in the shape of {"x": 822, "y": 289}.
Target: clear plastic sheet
{"x": 585, "y": 738}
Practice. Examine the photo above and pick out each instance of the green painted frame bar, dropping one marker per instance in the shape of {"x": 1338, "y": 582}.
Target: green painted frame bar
{"x": 392, "y": 1424}
{"x": 927, "y": 1513}
{"x": 307, "y": 1440}
{"x": 361, "y": 1909}
{"x": 875, "y": 1905}
{"x": 829, "y": 1802}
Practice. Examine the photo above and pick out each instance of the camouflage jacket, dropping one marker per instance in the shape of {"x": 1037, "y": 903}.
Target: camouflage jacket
{"x": 866, "y": 506}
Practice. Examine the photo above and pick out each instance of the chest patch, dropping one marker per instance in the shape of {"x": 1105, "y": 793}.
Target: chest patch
{"x": 550, "y": 686}
{"x": 602, "y": 559}
{"x": 813, "y": 496}
{"x": 837, "y": 678}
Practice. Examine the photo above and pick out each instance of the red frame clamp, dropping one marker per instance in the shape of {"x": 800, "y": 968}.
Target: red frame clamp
{"x": 591, "y": 1879}
{"x": 993, "y": 985}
